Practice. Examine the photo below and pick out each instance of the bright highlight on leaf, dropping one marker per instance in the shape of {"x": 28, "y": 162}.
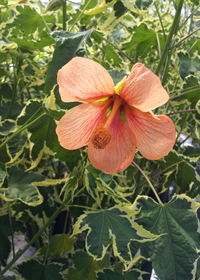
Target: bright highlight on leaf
{"x": 112, "y": 140}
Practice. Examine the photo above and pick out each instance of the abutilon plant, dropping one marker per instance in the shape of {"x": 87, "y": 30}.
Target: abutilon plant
{"x": 95, "y": 101}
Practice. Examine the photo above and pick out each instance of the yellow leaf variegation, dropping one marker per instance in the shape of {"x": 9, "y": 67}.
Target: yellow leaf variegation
{"x": 50, "y": 101}
{"x": 176, "y": 221}
{"x": 115, "y": 227}
{"x": 102, "y": 6}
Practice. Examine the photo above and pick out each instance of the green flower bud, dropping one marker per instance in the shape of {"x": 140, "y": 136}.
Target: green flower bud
{"x": 54, "y": 5}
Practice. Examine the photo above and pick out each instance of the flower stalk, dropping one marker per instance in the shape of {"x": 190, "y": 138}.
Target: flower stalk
{"x": 150, "y": 184}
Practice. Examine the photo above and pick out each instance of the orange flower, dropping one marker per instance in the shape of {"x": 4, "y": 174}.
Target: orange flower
{"x": 113, "y": 121}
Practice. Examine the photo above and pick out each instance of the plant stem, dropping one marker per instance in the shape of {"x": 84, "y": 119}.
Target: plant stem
{"x": 11, "y": 229}
{"x": 163, "y": 30}
{"x": 65, "y": 224}
{"x": 51, "y": 219}
{"x": 191, "y": 14}
{"x": 80, "y": 15}
{"x": 169, "y": 38}
{"x": 166, "y": 69}
{"x": 152, "y": 187}
{"x": 179, "y": 42}
{"x": 183, "y": 111}
{"x": 194, "y": 88}
{"x": 20, "y": 130}
{"x": 164, "y": 170}
{"x": 181, "y": 143}
{"x": 114, "y": 46}
{"x": 85, "y": 207}
{"x": 64, "y": 15}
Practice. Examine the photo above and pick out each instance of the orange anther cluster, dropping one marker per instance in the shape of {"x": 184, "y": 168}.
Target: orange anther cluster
{"x": 101, "y": 136}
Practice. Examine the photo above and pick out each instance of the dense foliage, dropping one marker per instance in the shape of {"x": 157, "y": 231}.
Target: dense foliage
{"x": 86, "y": 224}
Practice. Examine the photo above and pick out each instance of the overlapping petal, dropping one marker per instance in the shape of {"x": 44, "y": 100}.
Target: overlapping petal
{"x": 84, "y": 80}
{"x": 75, "y": 127}
{"x": 154, "y": 137}
{"x": 143, "y": 89}
{"x": 119, "y": 153}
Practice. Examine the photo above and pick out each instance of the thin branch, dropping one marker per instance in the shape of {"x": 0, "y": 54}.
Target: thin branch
{"x": 185, "y": 92}
{"x": 114, "y": 46}
{"x": 80, "y": 15}
{"x": 147, "y": 179}
{"x": 183, "y": 111}
{"x": 161, "y": 172}
{"x": 11, "y": 229}
{"x": 191, "y": 14}
{"x": 179, "y": 42}
{"x": 163, "y": 30}
{"x": 192, "y": 46}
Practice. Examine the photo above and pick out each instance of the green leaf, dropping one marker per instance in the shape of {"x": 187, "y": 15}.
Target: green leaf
{"x": 173, "y": 255}
{"x": 16, "y": 146}
{"x": 28, "y": 20}
{"x": 143, "y": 4}
{"x": 68, "y": 45}
{"x": 31, "y": 43}
{"x": 192, "y": 153}
{"x": 71, "y": 158}
{"x": 2, "y": 174}
{"x": 32, "y": 270}
{"x": 42, "y": 132}
{"x": 144, "y": 37}
{"x": 92, "y": 186}
{"x": 117, "y": 75}
{"x": 109, "y": 227}
{"x": 187, "y": 178}
{"x": 112, "y": 56}
{"x": 4, "y": 157}
{"x": 192, "y": 85}
{"x": 109, "y": 274}
{"x": 6, "y": 92}
{"x": 188, "y": 65}
{"x": 198, "y": 270}
{"x": 86, "y": 266}
{"x": 59, "y": 244}
{"x": 20, "y": 187}
{"x": 4, "y": 108}
{"x": 7, "y": 127}
{"x": 172, "y": 158}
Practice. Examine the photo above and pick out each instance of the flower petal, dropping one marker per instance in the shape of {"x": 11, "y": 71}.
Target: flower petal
{"x": 143, "y": 89}
{"x": 82, "y": 79}
{"x": 155, "y": 137}
{"x": 75, "y": 127}
{"x": 119, "y": 153}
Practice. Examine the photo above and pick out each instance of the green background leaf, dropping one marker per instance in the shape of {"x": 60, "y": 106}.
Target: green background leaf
{"x": 33, "y": 269}
{"x": 68, "y": 44}
{"x": 174, "y": 253}
{"x": 86, "y": 267}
